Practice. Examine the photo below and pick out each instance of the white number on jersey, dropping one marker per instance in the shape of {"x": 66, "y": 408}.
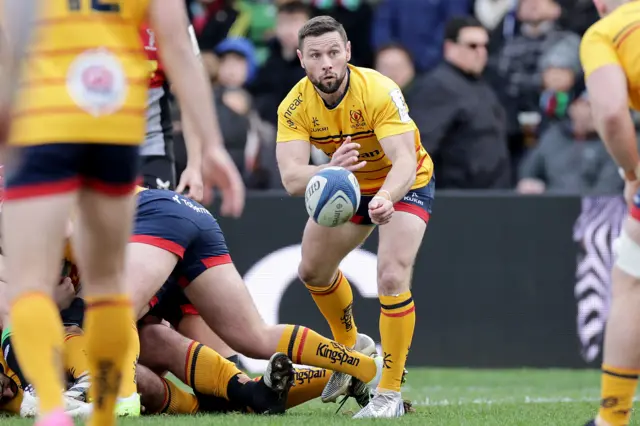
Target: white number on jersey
{"x": 398, "y": 100}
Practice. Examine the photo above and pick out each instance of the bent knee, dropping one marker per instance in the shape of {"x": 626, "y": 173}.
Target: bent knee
{"x": 315, "y": 275}
{"x": 394, "y": 278}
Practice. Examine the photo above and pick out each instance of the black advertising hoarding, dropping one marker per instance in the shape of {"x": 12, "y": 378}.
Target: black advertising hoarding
{"x": 497, "y": 283}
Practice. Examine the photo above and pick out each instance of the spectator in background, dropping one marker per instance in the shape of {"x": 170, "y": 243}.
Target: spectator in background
{"x": 282, "y": 69}
{"x": 561, "y": 71}
{"x": 460, "y": 119}
{"x": 570, "y": 158}
{"x": 520, "y": 75}
{"x": 213, "y": 20}
{"x": 418, "y": 25}
{"x": 490, "y": 13}
{"x": 356, "y": 17}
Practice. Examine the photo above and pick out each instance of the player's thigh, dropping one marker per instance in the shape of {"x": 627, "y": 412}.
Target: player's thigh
{"x": 41, "y": 189}
{"x": 225, "y": 304}
{"x": 158, "y": 172}
{"x": 147, "y": 267}
{"x": 106, "y": 208}
{"x": 401, "y": 238}
{"x": 324, "y": 248}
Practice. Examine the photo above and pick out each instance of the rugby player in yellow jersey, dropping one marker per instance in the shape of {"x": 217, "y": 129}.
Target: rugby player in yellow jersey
{"x": 610, "y": 55}
{"x": 359, "y": 118}
{"x": 78, "y": 119}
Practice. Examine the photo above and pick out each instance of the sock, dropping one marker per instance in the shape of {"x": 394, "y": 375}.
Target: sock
{"x": 618, "y": 389}
{"x": 37, "y": 339}
{"x": 178, "y": 401}
{"x": 75, "y": 355}
{"x": 336, "y": 303}
{"x": 207, "y": 372}
{"x": 308, "y": 385}
{"x": 305, "y": 346}
{"x": 128, "y": 386}
{"x": 108, "y": 332}
{"x": 397, "y": 322}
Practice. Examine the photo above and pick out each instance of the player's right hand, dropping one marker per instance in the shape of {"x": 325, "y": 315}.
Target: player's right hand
{"x": 221, "y": 172}
{"x": 630, "y": 191}
{"x": 347, "y": 156}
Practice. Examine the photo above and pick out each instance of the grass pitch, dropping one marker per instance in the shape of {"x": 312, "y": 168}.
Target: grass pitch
{"x": 443, "y": 397}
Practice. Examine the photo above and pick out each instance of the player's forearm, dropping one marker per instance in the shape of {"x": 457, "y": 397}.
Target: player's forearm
{"x": 295, "y": 179}
{"x": 619, "y": 135}
{"x": 17, "y": 20}
{"x": 400, "y": 179}
{"x": 193, "y": 144}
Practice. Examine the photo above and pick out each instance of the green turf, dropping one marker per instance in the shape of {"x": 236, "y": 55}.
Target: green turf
{"x": 446, "y": 397}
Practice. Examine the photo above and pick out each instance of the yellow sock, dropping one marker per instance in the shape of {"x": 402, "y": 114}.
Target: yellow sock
{"x": 178, "y": 401}
{"x": 336, "y": 303}
{"x": 75, "y": 354}
{"x": 128, "y": 386}
{"x": 208, "y": 372}
{"x": 308, "y": 385}
{"x": 397, "y": 322}
{"x": 305, "y": 346}
{"x": 618, "y": 389}
{"x": 37, "y": 339}
{"x": 108, "y": 332}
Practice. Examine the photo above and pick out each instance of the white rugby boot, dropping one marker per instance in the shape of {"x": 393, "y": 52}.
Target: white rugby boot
{"x": 384, "y": 404}
{"x": 30, "y": 406}
{"x": 338, "y": 383}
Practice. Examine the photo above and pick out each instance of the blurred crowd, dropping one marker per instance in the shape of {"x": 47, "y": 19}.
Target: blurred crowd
{"x": 494, "y": 86}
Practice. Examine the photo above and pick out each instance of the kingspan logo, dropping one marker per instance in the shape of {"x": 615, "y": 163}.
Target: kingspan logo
{"x": 337, "y": 354}
{"x": 308, "y": 374}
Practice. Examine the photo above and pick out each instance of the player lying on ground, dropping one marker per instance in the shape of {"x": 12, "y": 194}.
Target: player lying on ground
{"x": 609, "y": 54}
{"x": 360, "y": 119}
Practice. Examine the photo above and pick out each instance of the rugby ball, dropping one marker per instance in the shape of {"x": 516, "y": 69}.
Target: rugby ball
{"x": 332, "y": 196}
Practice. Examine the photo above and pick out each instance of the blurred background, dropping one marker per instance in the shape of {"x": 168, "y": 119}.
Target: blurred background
{"x": 515, "y": 267}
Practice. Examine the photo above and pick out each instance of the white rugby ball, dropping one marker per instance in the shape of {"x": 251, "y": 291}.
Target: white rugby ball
{"x": 332, "y": 196}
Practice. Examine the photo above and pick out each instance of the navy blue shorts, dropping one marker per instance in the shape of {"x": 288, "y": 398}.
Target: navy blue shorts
{"x": 418, "y": 202}
{"x": 41, "y": 170}
{"x": 183, "y": 227}
{"x": 171, "y": 304}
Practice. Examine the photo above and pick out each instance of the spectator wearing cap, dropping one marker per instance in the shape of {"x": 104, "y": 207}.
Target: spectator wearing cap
{"x": 570, "y": 158}
{"x": 561, "y": 69}
{"x": 461, "y": 121}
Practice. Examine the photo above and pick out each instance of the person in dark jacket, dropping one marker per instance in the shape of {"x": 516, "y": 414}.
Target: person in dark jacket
{"x": 461, "y": 121}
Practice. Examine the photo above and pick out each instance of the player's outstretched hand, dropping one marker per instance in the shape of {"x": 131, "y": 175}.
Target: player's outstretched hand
{"x": 380, "y": 210}
{"x": 630, "y": 191}
{"x": 191, "y": 178}
{"x": 347, "y": 156}
{"x": 221, "y": 172}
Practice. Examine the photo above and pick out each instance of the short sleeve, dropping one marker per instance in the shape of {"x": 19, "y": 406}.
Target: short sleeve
{"x": 596, "y": 51}
{"x": 390, "y": 112}
{"x": 291, "y": 127}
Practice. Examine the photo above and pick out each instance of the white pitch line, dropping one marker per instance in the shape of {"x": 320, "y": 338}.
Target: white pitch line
{"x": 428, "y": 402}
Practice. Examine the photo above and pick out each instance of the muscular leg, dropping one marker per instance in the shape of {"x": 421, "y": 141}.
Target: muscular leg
{"x": 322, "y": 251}
{"x": 102, "y": 229}
{"x": 400, "y": 240}
{"x": 33, "y": 239}
{"x": 224, "y": 303}
{"x": 621, "y": 362}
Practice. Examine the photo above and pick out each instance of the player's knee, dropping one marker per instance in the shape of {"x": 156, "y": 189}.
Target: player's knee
{"x": 314, "y": 275}
{"x": 393, "y": 278}
{"x": 627, "y": 253}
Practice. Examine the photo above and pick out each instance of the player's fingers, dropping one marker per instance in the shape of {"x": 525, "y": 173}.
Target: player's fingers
{"x": 346, "y": 147}
{"x": 181, "y": 186}
{"x": 357, "y": 166}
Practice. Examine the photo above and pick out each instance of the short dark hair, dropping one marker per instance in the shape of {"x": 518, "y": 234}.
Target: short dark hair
{"x": 457, "y": 24}
{"x": 320, "y": 25}
{"x": 294, "y": 6}
{"x": 395, "y": 46}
